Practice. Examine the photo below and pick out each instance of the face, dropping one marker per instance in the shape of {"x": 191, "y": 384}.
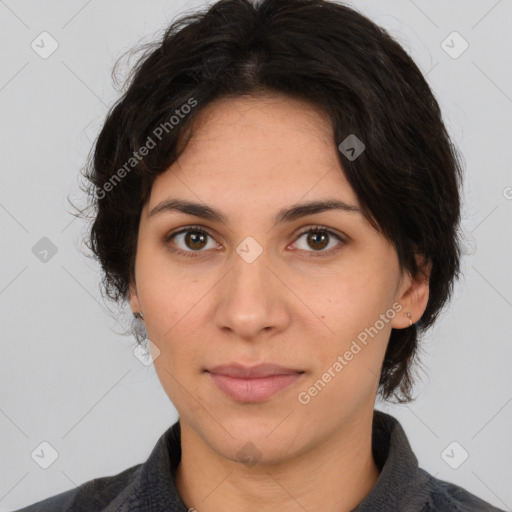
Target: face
{"x": 255, "y": 288}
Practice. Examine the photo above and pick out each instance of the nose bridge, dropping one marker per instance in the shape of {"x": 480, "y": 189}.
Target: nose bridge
{"x": 249, "y": 299}
{"x": 247, "y": 279}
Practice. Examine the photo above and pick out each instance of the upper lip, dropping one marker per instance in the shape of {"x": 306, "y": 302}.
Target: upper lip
{"x": 248, "y": 372}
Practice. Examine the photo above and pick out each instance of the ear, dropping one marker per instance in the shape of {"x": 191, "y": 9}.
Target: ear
{"x": 413, "y": 295}
{"x": 134, "y": 299}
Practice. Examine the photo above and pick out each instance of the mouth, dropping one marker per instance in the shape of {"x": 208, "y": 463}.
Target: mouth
{"x": 253, "y": 384}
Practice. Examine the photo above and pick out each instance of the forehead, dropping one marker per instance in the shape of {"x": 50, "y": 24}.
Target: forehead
{"x": 274, "y": 147}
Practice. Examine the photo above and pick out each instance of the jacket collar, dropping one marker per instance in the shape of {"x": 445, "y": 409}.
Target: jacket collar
{"x": 400, "y": 477}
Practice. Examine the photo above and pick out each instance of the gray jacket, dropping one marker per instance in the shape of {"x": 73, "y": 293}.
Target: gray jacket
{"x": 401, "y": 487}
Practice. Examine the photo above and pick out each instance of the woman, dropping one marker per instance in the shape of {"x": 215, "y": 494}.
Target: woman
{"x": 277, "y": 197}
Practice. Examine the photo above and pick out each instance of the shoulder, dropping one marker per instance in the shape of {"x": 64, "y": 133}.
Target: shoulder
{"x": 145, "y": 486}
{"x": 94, "y": 495}
{"x": 441, "y": 495}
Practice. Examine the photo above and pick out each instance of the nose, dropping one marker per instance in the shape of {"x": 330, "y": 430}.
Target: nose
{"x": 252, "y": 300}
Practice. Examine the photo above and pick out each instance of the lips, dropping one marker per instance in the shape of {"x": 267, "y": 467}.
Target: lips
{"x": 252, "y": 372}
{"x": 253, "y": 384}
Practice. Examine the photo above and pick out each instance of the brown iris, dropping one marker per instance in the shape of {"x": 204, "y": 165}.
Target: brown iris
{"x": 314, "y": 240}
{"x": 196, "y": 238}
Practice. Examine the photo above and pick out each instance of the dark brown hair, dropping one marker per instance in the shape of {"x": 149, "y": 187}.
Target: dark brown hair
{"x": 407, "y": 179}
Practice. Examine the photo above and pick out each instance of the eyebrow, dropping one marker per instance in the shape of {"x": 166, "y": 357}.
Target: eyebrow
{"x": 289, "y": 214}
{"x": 284, "y": 215}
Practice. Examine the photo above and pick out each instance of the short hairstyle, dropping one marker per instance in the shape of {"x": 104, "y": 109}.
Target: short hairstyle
{"x": 407, "y": 179}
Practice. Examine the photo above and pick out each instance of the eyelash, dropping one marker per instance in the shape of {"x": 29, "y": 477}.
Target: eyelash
{"x": 202, "y": 230}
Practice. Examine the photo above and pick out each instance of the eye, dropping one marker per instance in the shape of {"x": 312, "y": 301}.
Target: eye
{"x": 319, "y": 237}
{"x": 192, "y": 239}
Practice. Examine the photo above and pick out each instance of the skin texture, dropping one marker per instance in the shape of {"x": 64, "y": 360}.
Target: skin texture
{"x": 250, "y": 157}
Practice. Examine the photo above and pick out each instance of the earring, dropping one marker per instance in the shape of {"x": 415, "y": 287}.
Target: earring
{"x": 408, "y": 315}
{"x": 138, "y": 315}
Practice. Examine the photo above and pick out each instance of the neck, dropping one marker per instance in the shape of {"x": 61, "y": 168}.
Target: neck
{"x": 334, "y": 476}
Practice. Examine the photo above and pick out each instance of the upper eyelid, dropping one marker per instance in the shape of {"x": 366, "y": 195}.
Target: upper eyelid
{"x": 185, "y": 229}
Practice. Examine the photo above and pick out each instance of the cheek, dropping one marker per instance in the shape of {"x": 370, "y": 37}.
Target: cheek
{"x": 172, "y": 327}
{"x": 167, "y": 290}
{"x": 350, "y": 308}
{"x": 346, "y": 301}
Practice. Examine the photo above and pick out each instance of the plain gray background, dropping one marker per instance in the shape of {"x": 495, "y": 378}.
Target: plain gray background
{"x": 68, "y": 378}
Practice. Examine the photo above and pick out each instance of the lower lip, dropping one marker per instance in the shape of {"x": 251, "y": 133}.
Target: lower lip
{"x": 253, "y": 390}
